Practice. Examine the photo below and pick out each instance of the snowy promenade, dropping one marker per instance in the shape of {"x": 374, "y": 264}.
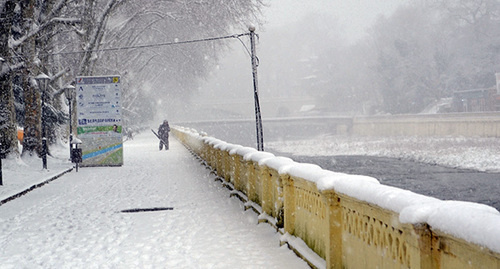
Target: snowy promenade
{"x": 76, "y": 221}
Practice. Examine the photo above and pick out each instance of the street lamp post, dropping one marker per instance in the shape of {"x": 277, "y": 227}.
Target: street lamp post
{"x": 258, "y": 119}
{"x": 42, "y": 81}
{"x": 69, "y": 92}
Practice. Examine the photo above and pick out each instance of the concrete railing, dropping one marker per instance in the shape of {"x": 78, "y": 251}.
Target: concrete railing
{"x": 450, "y": 124}
{"x": 463, "y": 124}
{"x": 335, "y": 220}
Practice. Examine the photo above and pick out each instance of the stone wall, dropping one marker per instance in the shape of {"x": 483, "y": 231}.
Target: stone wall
{"x": 349, "y": 221}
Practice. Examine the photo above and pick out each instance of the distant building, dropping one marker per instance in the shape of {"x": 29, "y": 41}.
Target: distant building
{"x": 478, "y": 100}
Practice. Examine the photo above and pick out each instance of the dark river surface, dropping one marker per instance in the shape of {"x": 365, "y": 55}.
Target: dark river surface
{"x": 432, "y": 180}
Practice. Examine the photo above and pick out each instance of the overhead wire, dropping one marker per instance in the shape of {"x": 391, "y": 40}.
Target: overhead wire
{"x": 237, "y": 36}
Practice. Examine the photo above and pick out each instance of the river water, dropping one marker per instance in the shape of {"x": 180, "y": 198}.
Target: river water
{"x": 431, "y": 180}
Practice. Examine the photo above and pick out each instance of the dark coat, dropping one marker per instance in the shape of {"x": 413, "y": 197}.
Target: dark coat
{"x": 163, "y": 130}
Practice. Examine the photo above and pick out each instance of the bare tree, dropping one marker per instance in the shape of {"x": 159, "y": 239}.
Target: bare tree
{"x": 65, "y": 38}
{"x": 172, "y": 71}
{"x": 474, "y": 28}
{"x": 8, "y": 138}
{"x": 425, "y": 52}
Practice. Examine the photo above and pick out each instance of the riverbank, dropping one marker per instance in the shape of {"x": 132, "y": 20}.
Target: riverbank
{"x": 481, "y": 154}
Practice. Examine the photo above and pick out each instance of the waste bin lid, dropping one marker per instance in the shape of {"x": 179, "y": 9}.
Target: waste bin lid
{"x": 76, "y": 140}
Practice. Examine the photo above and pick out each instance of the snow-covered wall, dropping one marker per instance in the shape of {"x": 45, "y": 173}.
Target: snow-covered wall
{"x": 344, "y": 217}
{"x": 462, "y": 124}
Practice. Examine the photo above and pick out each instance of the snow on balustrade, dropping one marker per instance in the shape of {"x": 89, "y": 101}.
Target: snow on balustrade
{"x": 473, "y": 222}
{"x": 278, "y": 163}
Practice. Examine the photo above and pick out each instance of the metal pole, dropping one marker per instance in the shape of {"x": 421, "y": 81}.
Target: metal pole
{"x": 70, "y": 129}
{"x": 1, "y": 156}
{"x": 42, "y": 81}
{"x": 76, "y": 163}
{"x": 258, "y": 119}
{"x": 69, "y": 92}
{"x": 44, "y": 139}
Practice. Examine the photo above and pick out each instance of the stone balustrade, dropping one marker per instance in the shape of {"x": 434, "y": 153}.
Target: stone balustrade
{"x": 336, "y": 220}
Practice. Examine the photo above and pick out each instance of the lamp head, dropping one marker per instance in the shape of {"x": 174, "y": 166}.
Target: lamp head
{"x": 42, "y": 81}
{"x": 69, "y": 91}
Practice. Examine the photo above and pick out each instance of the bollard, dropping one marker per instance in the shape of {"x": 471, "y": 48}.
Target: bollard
{"x": 44, "y": 152}
{"x": 76, "y": 153}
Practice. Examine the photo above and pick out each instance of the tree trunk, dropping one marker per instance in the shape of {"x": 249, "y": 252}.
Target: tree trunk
{"x": 44, "y": 45}
{"x": 8, "y": 130}
{"x": 32, "y": 133}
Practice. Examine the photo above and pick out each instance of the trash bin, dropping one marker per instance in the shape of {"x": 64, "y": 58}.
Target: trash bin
{"x": 76, "y": 155}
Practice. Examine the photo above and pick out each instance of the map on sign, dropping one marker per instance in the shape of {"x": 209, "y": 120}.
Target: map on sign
{"x": 99, "y": 125}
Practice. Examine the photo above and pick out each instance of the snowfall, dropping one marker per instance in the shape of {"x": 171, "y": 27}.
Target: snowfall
{"x": 80, "y": 219}
{"x": 76, "y": 220}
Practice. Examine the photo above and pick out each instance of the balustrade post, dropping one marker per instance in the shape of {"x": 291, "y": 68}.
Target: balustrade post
{"x": 333, "y": 251}
{"x": 288, "y": 204}
{"x": 205, "y": 152}
{"x": 208, "y": 154}
{"x": 428, "y": 246}
{"x": 228, "y": 164}
{"x": 235, "y": 171}
{"x": 251, "y": 181}
{"x": 277, "y": 197}
{"x": 219, "y": 160}
{"x": 213, "y": 157}
{"x": 264, "y": 181}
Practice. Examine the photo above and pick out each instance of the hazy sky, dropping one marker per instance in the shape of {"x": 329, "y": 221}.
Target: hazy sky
{"x": 234, "y": 71}
{"x": 353, "y": 15}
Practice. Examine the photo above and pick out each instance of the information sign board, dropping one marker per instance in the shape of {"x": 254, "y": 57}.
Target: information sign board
{"x": 99, "y": 120}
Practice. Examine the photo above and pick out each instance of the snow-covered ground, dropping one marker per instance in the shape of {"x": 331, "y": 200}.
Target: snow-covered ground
{"x": 481, "y": 154}
{"x": 76, "y": 221}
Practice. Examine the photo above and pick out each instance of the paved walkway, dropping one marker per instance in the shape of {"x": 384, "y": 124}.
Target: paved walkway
{"x": 180, "y": 218}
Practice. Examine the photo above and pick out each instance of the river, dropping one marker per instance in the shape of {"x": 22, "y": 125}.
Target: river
{"x": 437, "y": 181}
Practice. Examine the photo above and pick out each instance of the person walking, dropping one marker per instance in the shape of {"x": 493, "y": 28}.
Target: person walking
{"x": 163, "y": 134}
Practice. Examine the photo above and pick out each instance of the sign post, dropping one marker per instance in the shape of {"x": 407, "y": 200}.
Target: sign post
{"x": 98, "y": 101}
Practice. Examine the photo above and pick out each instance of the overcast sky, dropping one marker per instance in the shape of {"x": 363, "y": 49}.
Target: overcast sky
{"x": 234, "y": 69}
{"x": 353, "y": 15}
